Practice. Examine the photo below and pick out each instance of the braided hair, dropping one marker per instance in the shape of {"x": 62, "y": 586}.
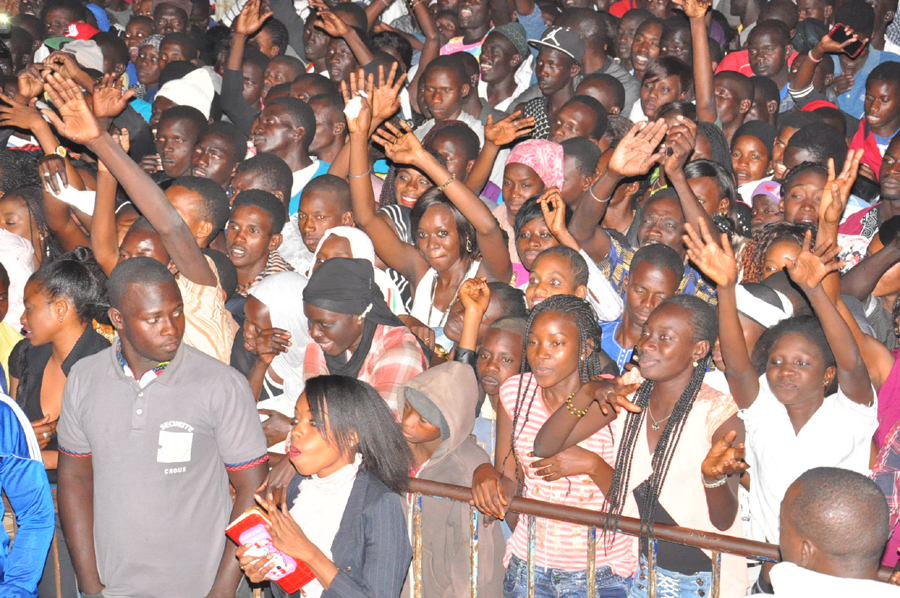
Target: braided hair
{"x": 754, "y": 255}
{"x": 702, "y": 318}
{"x": 799, "y": 169}
{"x": 590, "y": 363}
{"x": 46, "y": 245}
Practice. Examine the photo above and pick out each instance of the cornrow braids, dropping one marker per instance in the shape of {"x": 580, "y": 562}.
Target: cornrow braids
{"x": 754, "y": 255}
{"x": 799, "y": 169}
{"x": 33, "y": 198}
{"x": 590, "y": 364}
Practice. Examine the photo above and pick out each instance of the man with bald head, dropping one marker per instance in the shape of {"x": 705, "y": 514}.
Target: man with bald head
{"x": 834, "y": 526}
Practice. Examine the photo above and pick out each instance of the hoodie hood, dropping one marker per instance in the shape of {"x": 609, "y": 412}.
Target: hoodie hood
{"x": 451, "y": 389}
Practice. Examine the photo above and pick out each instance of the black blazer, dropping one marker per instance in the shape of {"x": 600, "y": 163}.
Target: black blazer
{"x": 371, "y": 549}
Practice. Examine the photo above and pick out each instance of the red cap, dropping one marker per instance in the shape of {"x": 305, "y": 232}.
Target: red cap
{"x": 80, "y": 31}
{"x": 816, "y": 104}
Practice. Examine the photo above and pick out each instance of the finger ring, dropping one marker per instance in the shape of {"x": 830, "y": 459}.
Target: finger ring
{"x": 46, "y": 434}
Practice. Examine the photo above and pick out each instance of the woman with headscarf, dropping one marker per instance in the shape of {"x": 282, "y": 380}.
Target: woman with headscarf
{"x": 355, "y": 334}
{"x": 532, "y": 166}
{"x": 147, "y": 68}
{"x": 348, "y": 241}
{"x": 277, "y": 333}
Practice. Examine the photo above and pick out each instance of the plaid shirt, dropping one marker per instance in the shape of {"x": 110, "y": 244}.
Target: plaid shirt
{"x": 886, "y": 472}
{"x": 393, "y": 360}
{"x": 274, "y": 265}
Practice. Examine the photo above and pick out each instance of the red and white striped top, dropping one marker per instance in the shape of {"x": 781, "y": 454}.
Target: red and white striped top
{"x": 560, "y": 545}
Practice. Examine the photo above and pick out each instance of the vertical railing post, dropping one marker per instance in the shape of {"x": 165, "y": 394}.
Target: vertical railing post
{"x": 417, "y": 545}
{"x": 651, "y": 568}
{"x": 591, "y": 562}
{"x": 473, "y": 552}
{"x": 716, "y": 573}
{"x": 532, "y": 528}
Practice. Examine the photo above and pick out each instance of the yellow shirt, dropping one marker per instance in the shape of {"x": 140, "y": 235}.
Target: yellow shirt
{"x": 9, "y": 338}
{"x": 209, "y": 327}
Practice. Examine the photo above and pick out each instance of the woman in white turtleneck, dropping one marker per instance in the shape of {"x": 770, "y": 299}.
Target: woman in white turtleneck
{"x": 343, "y": 516}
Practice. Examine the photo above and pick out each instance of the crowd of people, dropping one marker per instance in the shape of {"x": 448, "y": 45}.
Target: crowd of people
{"x": 636, "y": 257}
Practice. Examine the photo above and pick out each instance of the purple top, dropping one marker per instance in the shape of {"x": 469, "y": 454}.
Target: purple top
{"x": 888, "y": 402}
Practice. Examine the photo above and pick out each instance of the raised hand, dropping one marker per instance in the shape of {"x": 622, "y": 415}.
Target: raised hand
{"x": 385, "y": 96}
{"x": 64, "y": 64}
{"x": 694, "y": 9}
{"x": 680, "y": 142}
{"x": 31, "y": 83}
{"x": 505, "y": 131}
{"x": 18, "y": 115}
{"x": 837, "y": 189}
{"x": 401, "y": 146}
{"x": 123, "y": 138}
{"x": 812, "y": 266}
{"x": 827, "y": 45}
{"x": 637, "y": 152}
{"x": 718, "y": 263}
{"x": 475, "y": 295}
{"x": 109, "y": 99}
{"x": 75, "y": 120}
{"x": 52, "y": 171}
{"x": 553, "y": 207}
{"x": 359, "y": 125}
{"x": 724, "y": 459}
{"x": 251, "y": 18}
{"x": 331, "y": 23}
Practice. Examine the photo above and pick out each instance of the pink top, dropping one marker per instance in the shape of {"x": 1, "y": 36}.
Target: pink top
{"x": 683, "y": 495}
{"x": 559, "y": 545}
{"x": 888, "y": 402}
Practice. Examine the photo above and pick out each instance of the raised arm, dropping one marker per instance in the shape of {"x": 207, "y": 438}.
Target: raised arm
{"x": 334, "y": 25}
{"x": 860, "y": 281}
{"x": 808, "y": 271}
{"x": 402, "y": 146}
{"x": 397, "y": 254}
{"x": 634, "y": 156}
{"x": 704, "y": 89}
{"x": 802, "y": 78}
{"x": 831, "y": 207}
{"x": 717, "y": 262}
{"x": 496, "y": 135}
{"x": 52, "y": 169}
{"x": 680, "y": 140}
{"x": 430, "y": 51}
{"x": 104, "y": 240}
{"x": 78, "y": 123}
{"x": 475, "y": 296}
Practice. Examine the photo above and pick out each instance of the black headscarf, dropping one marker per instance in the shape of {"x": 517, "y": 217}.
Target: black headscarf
{"x": 347, "y": 286}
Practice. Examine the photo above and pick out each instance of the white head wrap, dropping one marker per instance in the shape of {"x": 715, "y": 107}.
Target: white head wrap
{"x": 761, "y": 311}
{"x": 194, "y": 89}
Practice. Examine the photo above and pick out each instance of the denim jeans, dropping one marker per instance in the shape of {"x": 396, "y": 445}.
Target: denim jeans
{"x": 559, "y": 583}
{"x": 670, "y": 584}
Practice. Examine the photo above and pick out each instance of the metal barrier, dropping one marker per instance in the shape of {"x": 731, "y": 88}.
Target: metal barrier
{"x": 716, "y": 543}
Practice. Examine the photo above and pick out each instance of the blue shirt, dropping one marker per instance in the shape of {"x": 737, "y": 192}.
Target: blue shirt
{"x": 24, "y": 480}
{"x": 853, "y": 101}
{"x": 611, "y": 346}
{"x": 294, "y": 206}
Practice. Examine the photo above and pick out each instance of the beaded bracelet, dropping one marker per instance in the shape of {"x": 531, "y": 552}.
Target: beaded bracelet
{"x": 571, "y": 408}
{"x": 447, "y": 184}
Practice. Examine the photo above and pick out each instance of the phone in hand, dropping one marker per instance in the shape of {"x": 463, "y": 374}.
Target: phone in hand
{"x": 839, "y": 34}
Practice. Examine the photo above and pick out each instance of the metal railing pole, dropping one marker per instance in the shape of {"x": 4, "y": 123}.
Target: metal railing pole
{"x": 532, "y": 525}
{"x": 592, "y": 562}
{"x": 473, "y": 552}
{"x": 417, "y": 545}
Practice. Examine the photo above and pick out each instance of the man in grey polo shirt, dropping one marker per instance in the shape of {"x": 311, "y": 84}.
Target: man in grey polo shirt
{"x": 151, "y": 433}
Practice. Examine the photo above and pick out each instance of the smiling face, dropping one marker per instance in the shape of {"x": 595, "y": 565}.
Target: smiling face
{"x": 663, "y": 222}
{"x": 519, "y": 183}
{"x": 307, "y": 449}
{"x": 409, "y": 185}
{"x": 552, "y": 348}
{"x": 554, "y": 70}
{"x": 645, "y": 46}
{"x": 175, "y": 140}
{"x": 474, "y": 14}
{"x": 750, "y": 159}
{"x": 499, "y": 58}
{"x": 214, "y": 158}
{"x": 318, "y": 214}
{"x": 438, "y": 238}
{"x": 667, "y": 347}
{"x": 656, "y": 92}
{"x": 765, "y": 211}
{"x": 335, "y": 333}
{"x": 550, "y": 275}
{"x": 796, "y": 370}
{"x": 499, "y": 358}
{"x": 147, "y": 66}
{"x": 800, "y": 201}
{"x": 773, "y": 261}
{"x": 534, "y": 237}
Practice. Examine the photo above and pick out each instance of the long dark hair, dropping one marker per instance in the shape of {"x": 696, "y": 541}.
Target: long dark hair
{"x": 589, "y": 341}
{"x": 703, "y": 320}
{"x": 356, "y": 410}
{"x": 76, "y": 276}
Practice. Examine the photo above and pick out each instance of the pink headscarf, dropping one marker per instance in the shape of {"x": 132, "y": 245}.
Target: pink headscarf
{"x": 542, "y": 156}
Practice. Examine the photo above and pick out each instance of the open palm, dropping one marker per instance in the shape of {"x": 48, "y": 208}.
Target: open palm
{"x": 108, "y": 99}
{"x": 812, "y": 266}
{"x": 75, "y": 120}
{"x": 401, "y": 146}
{"x": 718, "y": 263}
{"x": 504, "y": 132}
{"x": 637, "y": 152}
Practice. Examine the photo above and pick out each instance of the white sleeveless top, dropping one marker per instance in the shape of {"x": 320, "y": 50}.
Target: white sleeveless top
{"x": 423, "y": 308}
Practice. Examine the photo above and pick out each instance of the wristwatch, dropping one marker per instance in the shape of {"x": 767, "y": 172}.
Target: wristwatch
{"x": 61, "y": 151}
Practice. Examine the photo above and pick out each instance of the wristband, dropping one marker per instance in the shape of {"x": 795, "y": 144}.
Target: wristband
{"x": 720, "y": 482}
{"x": 813, "y": 59}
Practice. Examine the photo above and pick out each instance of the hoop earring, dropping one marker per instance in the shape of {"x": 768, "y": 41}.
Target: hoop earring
{"x": 468, "y": 245}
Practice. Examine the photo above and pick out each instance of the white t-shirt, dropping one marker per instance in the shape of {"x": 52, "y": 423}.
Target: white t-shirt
{"x": 839, "y": 434}
{"x": 791, "y": 581}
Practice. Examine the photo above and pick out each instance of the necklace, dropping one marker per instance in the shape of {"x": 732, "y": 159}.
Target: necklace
{"x": 449, "y": 306}
{"x": 656, "y": 423}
